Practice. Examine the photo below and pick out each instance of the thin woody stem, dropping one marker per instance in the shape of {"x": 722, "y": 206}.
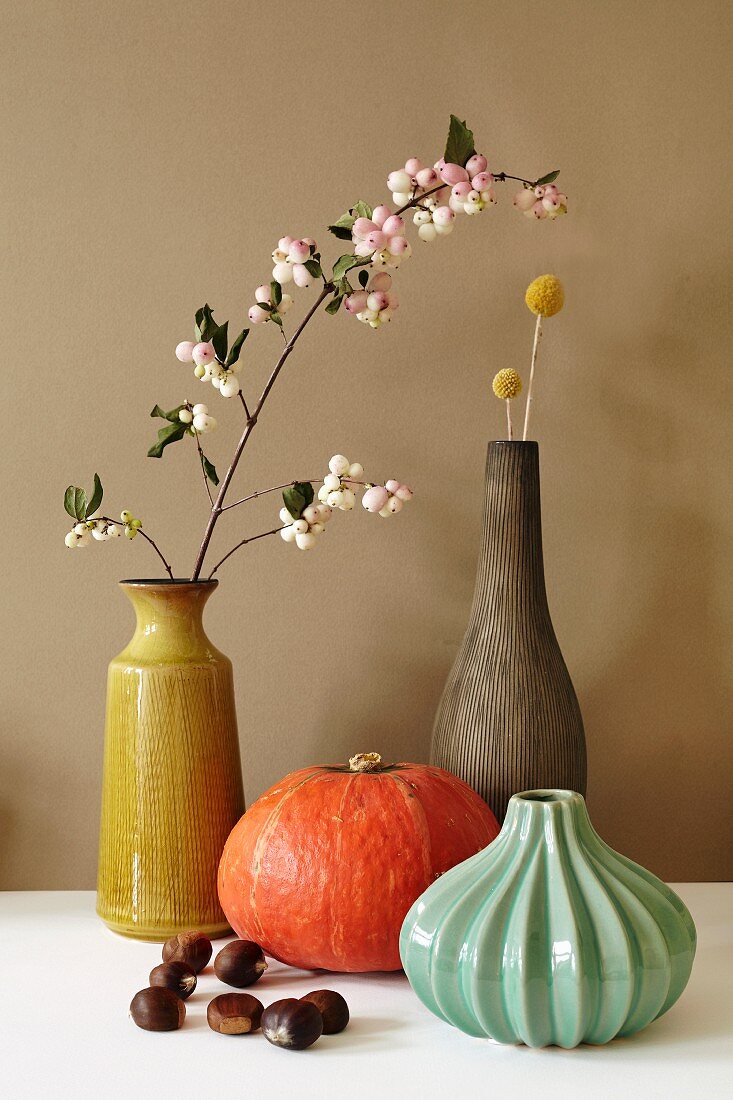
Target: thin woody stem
{"x": 499, "y": 177}
{"x": 286, "y": 485}
{"x": 244, "y": 405}
{"x": 108, "y": 519}
{"x": 249, "y": 428}
{"x": 509, "y": 418}
{"x": 535, "y": 349}
{"x": 203, "y": 470}
{"x": 244, "y": 542}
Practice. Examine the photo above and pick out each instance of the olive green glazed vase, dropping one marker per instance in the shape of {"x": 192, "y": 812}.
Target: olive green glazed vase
{"x": 172, "y": 782}
{"x": 548, "y": 936}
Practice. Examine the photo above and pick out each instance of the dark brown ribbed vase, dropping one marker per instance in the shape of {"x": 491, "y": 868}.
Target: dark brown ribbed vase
{"x": 509, "y": 718}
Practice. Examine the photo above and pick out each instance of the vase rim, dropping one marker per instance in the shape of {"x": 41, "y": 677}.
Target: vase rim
{"x": 167, "y": 582}
{"x": 548, "y": 796}
{"x": 514, "y": 443}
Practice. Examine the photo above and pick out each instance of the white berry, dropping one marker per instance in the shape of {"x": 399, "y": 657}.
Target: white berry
{"x": 305, "y": 541}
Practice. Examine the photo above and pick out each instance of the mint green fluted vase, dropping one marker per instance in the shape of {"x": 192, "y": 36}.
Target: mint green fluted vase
{"x": 548, "y": 936}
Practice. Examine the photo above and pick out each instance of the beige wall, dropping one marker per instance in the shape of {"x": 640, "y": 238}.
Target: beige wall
{"x": 154, "y": 153}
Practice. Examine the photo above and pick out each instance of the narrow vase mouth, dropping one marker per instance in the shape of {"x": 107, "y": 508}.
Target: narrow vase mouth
{"x": 547, "y": 796}
{"x": 168, "y": 582}
{"x": 516, "y": 443}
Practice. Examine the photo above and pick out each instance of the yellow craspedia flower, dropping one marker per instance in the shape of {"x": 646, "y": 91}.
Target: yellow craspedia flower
{"x": 545, "y": 295}
{"x": 507, "y": 384}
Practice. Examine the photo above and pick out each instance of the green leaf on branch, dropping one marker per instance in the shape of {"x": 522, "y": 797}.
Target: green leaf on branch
{"x": 334, "y": 305}
{"x": 220, "y": 340}
{"x": 275, "y": 316}
{"x": 206, "y": 326}
{"x": 96, "y": 499}
{"x": 549, "y": 178}
{"x": 209, "y": 469}
{"x": 276, "y": 292}
{"x": 171, "y": 415}
{"x": 459, "y": 147}
{"x": 170, "y": 434}
{"x": 236, "y": 347}
{"x": 363, "y": 279}
{"x": 75, "y": 502}
{"x": 313, "y": 268}
{"x": 342, "y": 228}
{"x": 297, "y": 497}
{"x": 346, "y": 263}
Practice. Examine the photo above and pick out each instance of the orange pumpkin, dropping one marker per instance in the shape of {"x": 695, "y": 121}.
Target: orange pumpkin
{"x": 323, "y": 867}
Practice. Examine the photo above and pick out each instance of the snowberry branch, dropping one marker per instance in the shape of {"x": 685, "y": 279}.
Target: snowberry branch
{"x": 116, "y": 524}
{"x": 251, "y": 422}
{"x": 458, "y": 184}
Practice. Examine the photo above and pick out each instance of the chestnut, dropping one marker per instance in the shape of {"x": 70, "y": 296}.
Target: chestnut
{"x": 157, "y": 1009}
{"x": 240, "y": 963}
{"x": 292, "y": 1024}
{"x": 176, "y": 976}
{"x": 193, "y": 948}
{"x": 234, "y": 1014}
{"x": 332, "y": 1007}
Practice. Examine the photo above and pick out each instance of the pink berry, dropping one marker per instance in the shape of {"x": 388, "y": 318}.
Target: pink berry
{"x": 363, "y": 248}
{"x": 482, "y": 181}
{"x": 394, "y": 226}
{"x": 311, "y": 243}
{"x": 399, "y": 246}
{"x": 380, "y": 215}
{"x": 203, "y": 353}
{"x": 539, "y": 192}
{"x": 382, "y": 281}
{"x": 538, "y": 210}
{"x": 524, "y": 199}
{"x": 439, "y": 164}
{"x": 551, "y": 202}
{"x": 404, "y": 493}
{"x": 475, "y": 164}
{"x": 377, "y": 240}
{"x": 284, "y": 243}
{"x": 392, "y": 486}
{"x": 426, "y": 177}
{"x": 375, "y": 499}
{"x": 461, "y": 190}
{"x": 356, "y": 302}
{"x": 298, "y": 252}
{"x": 550, "y": 189}
{"x": 413, "y": 166}
{"x": 443, "y": 215}
{"x": 258, "y": 315}
{"x": 262, "y": 294}
{"x": 453, "y": 173}
{"x": 184, "y": 351}
{"x": 362, "y": 227}
{"x": 377, "y": 300}
{"x": 392, "y": 301}
{"x": 301, "y": 275}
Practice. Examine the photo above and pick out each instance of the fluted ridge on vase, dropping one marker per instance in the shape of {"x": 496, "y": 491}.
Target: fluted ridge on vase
{"x": 172, "y": 783}
{"x": 548, "y": 936}
{"x": 509, "y": 717}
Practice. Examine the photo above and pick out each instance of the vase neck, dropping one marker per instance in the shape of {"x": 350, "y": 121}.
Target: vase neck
{"x": 510, "y": 574}
{"x": 548, "y": 818}
{"x": 169, "y": 618}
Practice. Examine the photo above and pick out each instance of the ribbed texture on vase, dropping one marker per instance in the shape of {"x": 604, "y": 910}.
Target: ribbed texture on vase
{"x": 172, "y": 785}
{"x": 548, "y": 936}
{"x": 509, "y": 718}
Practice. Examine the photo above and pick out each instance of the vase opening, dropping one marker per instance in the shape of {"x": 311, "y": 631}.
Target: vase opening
{"x": 168, "y": 581}
{"x": 546, "y": 796}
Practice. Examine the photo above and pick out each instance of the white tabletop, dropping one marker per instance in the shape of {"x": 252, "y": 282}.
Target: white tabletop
{"x": 66, "y": 984}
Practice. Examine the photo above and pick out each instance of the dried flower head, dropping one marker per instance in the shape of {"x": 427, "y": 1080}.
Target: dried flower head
{"x": 507, "y": 384}
{"x": 545, "y": 296}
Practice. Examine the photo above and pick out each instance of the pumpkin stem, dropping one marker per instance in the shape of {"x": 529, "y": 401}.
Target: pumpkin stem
{"x": 365, "y": 762}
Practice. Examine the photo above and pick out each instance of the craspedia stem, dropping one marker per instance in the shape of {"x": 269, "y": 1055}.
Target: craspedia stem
{"x": 535, "y": 348}
{"x": 509, "y": 418}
